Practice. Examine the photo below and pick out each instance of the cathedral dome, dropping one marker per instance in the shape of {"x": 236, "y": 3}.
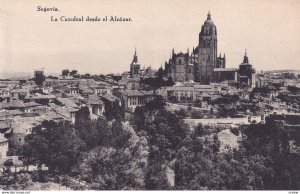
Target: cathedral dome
{"x": 208, "y": 20}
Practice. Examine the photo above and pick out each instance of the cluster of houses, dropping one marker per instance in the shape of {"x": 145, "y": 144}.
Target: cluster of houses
{"x": 25, "y": 104}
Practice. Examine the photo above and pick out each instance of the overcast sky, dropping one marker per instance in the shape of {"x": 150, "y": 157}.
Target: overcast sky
{"x": 269, "y": 30}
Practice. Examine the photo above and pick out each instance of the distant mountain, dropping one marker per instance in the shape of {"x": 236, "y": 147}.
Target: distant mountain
{"x": 21, "y": 75}
{"x": 15, "y": 75}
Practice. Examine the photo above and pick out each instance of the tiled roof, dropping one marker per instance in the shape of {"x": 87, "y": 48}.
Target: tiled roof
{"x": 93, "y": 100}
{"x": 40, "y": 96}
{"x": 20, "y": 127}
{"x": 100, "y": 87}
{"x": 132, "y": 93}
{"x": 110, "y": 97}
{"x": 203, "y": 86}
{"x": 19, "y": 91}
{"x": 224, "y": 69}
{"x": 12, "y": 104}
{"x": 31, "y": 104}
{"x": 8, "y": 113}
{"x": 67, "y": 102}
{"x": 147, "y": 92}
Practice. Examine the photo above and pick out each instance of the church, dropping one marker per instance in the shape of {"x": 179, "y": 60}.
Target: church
{"x": 202, "y": 65}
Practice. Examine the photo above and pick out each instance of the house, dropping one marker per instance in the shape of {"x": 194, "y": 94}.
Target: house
{"x": 109, "y": 98}
{"x": 101, "y": 89}
{"x": 40, "y": 98}
{"x": 95, "y": 105}
{"x": 30, "y": 107}
{"x": 18, "y": 93}
{"x": 130, "y": 83}
{"x": 71, "y": 89}
{"x": 191, "y": 93}
{"x": 19, "y": 131}
{"x": 85, "y": 90}
{"x": 67, "y": 102}
{"x": 133, "y": 98}
{"x": 64, "y": 113}
{"x": 12, "y": 105}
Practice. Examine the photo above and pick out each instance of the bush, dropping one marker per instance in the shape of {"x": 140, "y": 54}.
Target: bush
{"x": 40, "y": 176}
{"x": 197, "y": 114}
{"x": 181, "y": 113}
{"x": 235, "y": 131}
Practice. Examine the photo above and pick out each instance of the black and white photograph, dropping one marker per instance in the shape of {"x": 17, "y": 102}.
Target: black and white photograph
{"x": 141, "y": 95}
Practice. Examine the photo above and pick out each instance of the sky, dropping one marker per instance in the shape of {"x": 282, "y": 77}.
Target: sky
{"x": 29, "y": 40}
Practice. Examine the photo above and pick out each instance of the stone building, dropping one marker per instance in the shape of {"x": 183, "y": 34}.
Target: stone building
{"x": 225, "y": 74}
{"x": 246, "y": 74}
{"x": 207, "y": 52}
{"x": 134, "y": 98}
{"x": 179, "y": 67}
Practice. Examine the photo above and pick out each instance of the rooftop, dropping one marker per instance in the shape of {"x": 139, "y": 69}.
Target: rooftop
{"x": 224, "y": 69}
{"x": 67, "y": 102}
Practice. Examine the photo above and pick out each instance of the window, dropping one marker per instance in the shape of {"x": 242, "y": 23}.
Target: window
{"x": 20, "y": 139}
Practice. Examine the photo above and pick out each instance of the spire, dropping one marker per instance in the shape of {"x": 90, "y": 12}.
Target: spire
{"x": 173, "y": 52}
{"x": 188, "y": 51}
{"x": 135, "y": 59}
{"x": 208, "y": 15}
{"x": 224, "y": 56}
{"x": 246, "y": 57}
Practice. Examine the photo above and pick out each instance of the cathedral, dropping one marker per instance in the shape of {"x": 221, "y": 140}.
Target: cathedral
{"x": 200, "y": 64}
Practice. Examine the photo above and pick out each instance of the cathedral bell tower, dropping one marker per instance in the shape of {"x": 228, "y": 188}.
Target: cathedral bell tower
{"x": 135, "y": 67}
{"x": 207, "y": 56}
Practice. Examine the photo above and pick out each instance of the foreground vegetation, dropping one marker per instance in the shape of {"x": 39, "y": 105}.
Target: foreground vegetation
{"x": 157, "y": 150}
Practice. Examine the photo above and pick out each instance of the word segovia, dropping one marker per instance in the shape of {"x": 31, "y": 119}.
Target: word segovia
{"x": 194, "y": 123}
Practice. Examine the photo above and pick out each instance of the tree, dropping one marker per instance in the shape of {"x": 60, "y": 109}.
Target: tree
{"x": 157, "y": 103}
{"x": 73, "y": 72}
{"x": 19, "y": 181}
{"x": 94, "y": 133}
{"x": 65, "y": 72}
{"x": 54, "y": 144}
{"x": 82, "y": 117}
{"x": 197, "y": 146}
{"x": 111, "y": 169}
{"x": 119, "y": 135}
{"x": 216, "y": 143}
{"x": 114, "y": 111}
{"x": 39, "y": 77}
{"x": 160, "y": 73}
{"x": 181, "y": 113}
